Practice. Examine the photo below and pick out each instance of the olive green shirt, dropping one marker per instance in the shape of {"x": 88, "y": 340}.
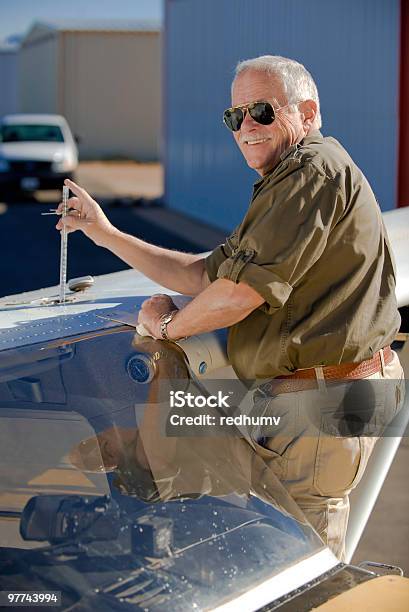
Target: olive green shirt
{"x": 314, "y": 246}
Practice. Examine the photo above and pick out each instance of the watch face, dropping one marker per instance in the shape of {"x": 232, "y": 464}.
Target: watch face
{"x": 141, "y": 368}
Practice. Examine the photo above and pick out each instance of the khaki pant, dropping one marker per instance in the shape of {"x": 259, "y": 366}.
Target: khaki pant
{"x": 311, "y": 456}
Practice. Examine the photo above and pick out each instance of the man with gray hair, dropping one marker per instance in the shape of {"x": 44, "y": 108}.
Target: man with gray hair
{"x": 305, "y": 283}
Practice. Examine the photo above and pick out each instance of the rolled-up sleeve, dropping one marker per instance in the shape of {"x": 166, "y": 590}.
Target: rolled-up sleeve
{"x": 220, "y": 254}
{"x": 283, "y": 242}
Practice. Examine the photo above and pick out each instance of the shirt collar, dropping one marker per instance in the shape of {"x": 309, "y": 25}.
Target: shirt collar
{"x": 313, "y": 136}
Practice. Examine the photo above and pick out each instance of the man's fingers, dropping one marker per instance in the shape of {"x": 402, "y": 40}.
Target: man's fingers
{"x": 72, "y": 203}
{"x": 79, "y": 191}
{"x": 60, "y": 226}
{"x": 72, "y": 222}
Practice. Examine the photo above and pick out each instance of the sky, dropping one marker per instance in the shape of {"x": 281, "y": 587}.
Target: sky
{"x": 16, "y": 16}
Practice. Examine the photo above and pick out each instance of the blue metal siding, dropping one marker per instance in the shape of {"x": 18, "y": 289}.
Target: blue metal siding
{"x": 351, "y": 47}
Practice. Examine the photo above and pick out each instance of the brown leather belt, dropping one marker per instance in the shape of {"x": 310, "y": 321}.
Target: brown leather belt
{"x": 306, "y": 378}
{"x": 347, "y": 370}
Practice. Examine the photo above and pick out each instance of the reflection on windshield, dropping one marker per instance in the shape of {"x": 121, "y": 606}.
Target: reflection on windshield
{"x": 97, "y": 498}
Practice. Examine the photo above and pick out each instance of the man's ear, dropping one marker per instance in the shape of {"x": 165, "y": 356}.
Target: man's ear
{"x": 308, "y": 109}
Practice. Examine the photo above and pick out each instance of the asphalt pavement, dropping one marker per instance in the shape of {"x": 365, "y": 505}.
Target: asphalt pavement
{"x": 131, "y": 198}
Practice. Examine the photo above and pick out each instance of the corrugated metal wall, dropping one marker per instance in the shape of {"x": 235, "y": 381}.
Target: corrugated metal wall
{"x": 350, "y": 46}
{"x": 107, "y": 84}
{"x": 38, "y": 75}
{"x": 8, "y": 82}
{"x": 111, "y": 92}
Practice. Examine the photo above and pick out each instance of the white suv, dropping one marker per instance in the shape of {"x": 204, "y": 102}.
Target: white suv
{"x": 36, "y": 152}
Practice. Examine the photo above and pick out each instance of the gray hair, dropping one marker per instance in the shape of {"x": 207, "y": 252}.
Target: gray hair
{"x": 297, "y": 82}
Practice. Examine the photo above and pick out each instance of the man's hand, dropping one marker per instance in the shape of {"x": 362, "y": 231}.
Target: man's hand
{"x": 152, "y": 310}
{"x": 87, "y": 215}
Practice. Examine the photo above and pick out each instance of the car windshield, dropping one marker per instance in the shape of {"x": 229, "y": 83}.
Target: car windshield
{"x": 31, "y": 133}
{"x": 100, "y": 502}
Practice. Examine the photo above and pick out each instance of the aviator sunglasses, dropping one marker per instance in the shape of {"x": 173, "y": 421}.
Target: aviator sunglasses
{"x": 262, "y": 112}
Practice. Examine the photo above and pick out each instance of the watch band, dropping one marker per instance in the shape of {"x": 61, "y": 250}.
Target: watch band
{"x": 164, "y": 322}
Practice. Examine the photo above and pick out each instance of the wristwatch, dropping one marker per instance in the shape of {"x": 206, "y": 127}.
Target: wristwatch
{"x": 164, "y": 322}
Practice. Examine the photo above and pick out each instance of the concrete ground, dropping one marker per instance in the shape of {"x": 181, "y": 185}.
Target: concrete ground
{"x": 386, "y": 538}
{"x": 123, "y": 179}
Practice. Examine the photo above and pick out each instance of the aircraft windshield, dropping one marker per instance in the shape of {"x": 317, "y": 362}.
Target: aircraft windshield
{"x": 99, "y": 500}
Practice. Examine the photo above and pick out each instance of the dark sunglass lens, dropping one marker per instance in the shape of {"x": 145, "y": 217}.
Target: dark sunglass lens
{"x": 262, "y": 112}
{"x": 233, "y": 118}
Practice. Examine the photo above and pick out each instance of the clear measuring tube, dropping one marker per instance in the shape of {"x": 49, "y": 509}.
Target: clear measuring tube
{"x": 64, "y": 247}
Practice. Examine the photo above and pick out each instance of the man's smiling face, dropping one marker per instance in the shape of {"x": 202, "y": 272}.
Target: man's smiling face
{"x": 262, "y": 145}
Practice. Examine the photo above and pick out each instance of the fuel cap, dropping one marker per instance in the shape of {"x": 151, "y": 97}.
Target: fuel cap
{"x": 81, "y": 283}
{"x": 141, "y": 368}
